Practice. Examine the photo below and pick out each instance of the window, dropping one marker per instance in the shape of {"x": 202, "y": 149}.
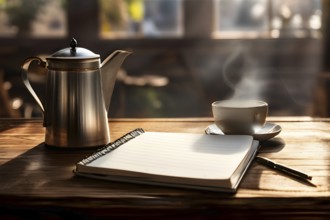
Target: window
{"x": 141, "y": 18}
{"x": 267, "y": 18}
{"x": 37, "y": 18}
{"x": 296, "y": 18}
{"x": 236, "y": 18}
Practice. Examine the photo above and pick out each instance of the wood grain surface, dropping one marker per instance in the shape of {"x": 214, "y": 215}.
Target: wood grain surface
{"x": 35, "y": 177}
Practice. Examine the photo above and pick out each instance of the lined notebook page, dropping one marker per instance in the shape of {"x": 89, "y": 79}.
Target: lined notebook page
{"x": 179, "y": 155}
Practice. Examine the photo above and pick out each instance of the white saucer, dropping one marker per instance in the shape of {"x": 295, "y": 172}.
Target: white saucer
{"x": 269, "y": 131}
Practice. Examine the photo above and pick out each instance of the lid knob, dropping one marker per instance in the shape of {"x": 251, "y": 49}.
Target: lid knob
{"x": 73, "y": 44}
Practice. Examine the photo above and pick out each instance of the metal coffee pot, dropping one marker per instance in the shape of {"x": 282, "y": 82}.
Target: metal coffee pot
{"x": 78, "y": 93}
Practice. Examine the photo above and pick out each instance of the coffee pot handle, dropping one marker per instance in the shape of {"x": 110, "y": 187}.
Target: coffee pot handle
{"x": 25, "y": 67}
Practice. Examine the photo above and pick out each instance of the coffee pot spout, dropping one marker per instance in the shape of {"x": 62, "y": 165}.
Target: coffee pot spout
{"x": 109, "y": 70}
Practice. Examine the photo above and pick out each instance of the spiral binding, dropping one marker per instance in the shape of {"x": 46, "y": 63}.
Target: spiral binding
{"x": 112, "y": 146}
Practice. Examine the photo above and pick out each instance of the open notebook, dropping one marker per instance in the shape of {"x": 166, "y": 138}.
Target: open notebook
{"x": 211, "y": 162}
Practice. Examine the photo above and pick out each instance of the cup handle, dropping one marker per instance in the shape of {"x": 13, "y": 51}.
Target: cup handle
{"x": 25, "y": 67}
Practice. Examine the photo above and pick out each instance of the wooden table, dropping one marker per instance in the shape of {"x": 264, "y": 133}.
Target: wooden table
{"x": 37, "y": 181}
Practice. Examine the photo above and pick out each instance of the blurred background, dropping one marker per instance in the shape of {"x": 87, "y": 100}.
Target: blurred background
{"x": 186, "y": 53}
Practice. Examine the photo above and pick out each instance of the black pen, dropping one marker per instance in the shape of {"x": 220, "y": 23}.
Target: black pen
{"x": 283, "y": 168}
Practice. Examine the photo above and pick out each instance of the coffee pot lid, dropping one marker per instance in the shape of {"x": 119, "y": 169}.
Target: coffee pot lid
{"x": 74, "y": 52}
{"x": 74, "y": 58}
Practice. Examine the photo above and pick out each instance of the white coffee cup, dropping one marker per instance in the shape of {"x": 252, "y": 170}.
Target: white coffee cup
{"x": 240, "y": 116}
